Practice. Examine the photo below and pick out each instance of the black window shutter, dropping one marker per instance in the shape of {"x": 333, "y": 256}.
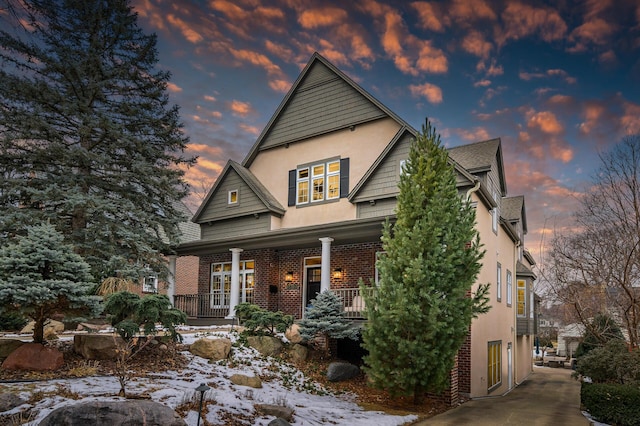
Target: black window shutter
{"x": 344, "y": 177}
{"x": 292, "y": 188}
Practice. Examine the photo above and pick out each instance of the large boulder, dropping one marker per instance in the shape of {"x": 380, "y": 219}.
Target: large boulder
{"x": 299, "y": 353}
{"x": 242, "y": 380}
{"x": 212, "y": 349}
{"x": 107, "y": 413}
{"x": 34, "y": 357}
{"x": 293, "y": 334}
{"x": 266, "y": 345}
{"x": 9, "y": 401}
{"x": 50, "y": 327}
{"x": 97, "y": 346}
{"x": 7, "y": 346}
{"x": 284, "y": 413}
{"x": 339, "y": 371}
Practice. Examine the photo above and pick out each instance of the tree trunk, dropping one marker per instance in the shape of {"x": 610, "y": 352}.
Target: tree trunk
{"x": 38, "y": 330}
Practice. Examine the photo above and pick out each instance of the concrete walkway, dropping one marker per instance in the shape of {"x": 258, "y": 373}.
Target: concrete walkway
{"x": 549, "y": 396}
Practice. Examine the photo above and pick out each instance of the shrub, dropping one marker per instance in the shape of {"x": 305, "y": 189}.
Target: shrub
{"x": 12, "y": 321}
{"x": 258, "y": 321}
{"x": 614, "y": 404}
{"x": 612, "y": 363}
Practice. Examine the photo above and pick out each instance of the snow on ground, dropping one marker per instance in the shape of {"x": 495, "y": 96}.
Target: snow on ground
{"x": 286, "y": 385}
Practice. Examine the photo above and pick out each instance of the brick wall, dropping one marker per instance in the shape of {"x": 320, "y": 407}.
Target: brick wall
{"x": 186, "y": 275}
{"x": 464, "y": 366}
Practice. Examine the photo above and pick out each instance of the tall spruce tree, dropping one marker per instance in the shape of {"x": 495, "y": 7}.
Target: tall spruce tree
{"x": 40, "y": 276}
{"x": 420, "y": 314}
{"x": 88, "y": 139}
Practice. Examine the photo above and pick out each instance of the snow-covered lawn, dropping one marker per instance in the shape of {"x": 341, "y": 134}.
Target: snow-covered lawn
{"x": 282, "y": 385}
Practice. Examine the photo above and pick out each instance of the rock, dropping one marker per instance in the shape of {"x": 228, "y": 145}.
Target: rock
{"x": 242, "y": 380}
{"x": 34, "y": 357}
{"x": 279, "y": 422}
{"x": 299, "y": 353}
{"x": 293, "y": 334}
{"x": 9, "y": 401}
{"x": 114, "y": 413}
{"x": 7, "y": 346}
{"x": 97, "y": 346}
{"x": 284, "y": 413}
{"x": 50, "y": 326}
{"x": 339, "y": 371}
{"x": 213, "y": 349}
{"x": 266, "y": 345}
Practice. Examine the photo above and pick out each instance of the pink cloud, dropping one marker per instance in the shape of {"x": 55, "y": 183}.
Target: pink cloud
{"x": 173, "y": 88}
{"x": 189, "y": 33}
{"x": 597, "y": 32}
{"x": 608, "y": 57}
{"x": 548, "y": 73}
{"x": 476, "y": 44}
{"x": 429, "y": 16}
{"x": 592, "y": 113}
{"x": 630, "y": 120}
{"x": 240, "y": 108}
{"x": 464, "y": 11}
{"x": 432, "y": 92}
{"x": 473, "y": 135}
{"x": 560, "y": 99}
{"x": 250, "y": 129}
{"x": 482, "y": 83}
{"x": 522, "y": 20}
{"x": 544, "y": 121}
{"x": 322, "y": 17}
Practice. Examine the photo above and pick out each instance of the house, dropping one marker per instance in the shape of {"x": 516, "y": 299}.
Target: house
{"x": 303, "y": 213}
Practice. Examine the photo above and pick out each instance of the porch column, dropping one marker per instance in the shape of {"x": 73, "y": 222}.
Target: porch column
{"x": 234, "y": 298}
{"x": 325, "y": 265}
{"x": 171, "y": 279}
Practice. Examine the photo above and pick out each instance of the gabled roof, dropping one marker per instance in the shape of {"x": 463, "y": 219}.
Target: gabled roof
{"x": 190, "y": 231}
{"x": 329, "y": 86}
{"x": 478, "y": 157}
{"x": 513, "y": 210}
{"x": 251, "y": 181}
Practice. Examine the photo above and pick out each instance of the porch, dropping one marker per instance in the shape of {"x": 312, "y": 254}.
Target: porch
{"x": 211, "y": 306}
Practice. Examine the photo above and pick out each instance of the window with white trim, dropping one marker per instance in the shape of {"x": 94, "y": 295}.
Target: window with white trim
{"x": 318, "y": 182}
{"x": 521, "y": 298}
{"x": 150, "y": 284}
{"x": 499, "y": 282}
{"x": 233, "y": 197}
{"x": 221, "y": 283}
{"x": 509, "y": 288}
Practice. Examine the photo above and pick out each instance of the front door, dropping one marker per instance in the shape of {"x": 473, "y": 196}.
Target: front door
{"x": 313, "y": 285}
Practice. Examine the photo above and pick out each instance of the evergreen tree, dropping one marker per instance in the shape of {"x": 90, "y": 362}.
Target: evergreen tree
{"x": 421, "y": 312}
{"x": 325, "y": 317}
{"x": 41, "y": 276}
{"x": 88, "y": 139}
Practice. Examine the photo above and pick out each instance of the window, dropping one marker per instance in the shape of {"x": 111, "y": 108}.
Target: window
{"x": 499, "y": 282}
{"x": 402, "y": 164}
{"x": 320, "y": 182}
{"x": 233, "y": 197}
{"x": 494, "y": 364}
{"x": 494, "y": 220}
{"x": 521, "y": 298}
{"x": 221, "y": 283}
{"x": 509, "y": 288}
{"x": 150, "y": 284}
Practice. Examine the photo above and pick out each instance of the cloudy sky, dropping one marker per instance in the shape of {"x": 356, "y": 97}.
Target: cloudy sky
{"x": 557, "y": 81}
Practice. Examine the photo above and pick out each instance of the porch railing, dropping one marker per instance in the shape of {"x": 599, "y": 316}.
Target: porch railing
{"x": 216, "y": 305}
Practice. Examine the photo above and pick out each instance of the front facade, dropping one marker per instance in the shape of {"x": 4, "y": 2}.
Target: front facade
{"x": 303, "y": 213}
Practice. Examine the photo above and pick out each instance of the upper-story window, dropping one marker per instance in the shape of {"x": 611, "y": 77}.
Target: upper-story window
{"x": 499, "y": 282}
{"x": 318, "y": 182}
{"x": 233, "y": 197}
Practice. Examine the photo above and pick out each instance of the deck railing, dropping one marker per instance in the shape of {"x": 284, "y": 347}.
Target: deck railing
{"x": 216, "y": 305}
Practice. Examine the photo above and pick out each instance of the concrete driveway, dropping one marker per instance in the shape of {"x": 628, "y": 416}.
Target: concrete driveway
{"x": 548, "y": 397}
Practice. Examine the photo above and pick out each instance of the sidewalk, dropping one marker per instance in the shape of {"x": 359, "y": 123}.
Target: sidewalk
{"x": 548, "y": 397}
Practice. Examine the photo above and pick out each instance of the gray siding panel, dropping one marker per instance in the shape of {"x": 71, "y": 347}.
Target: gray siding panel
{"x": 384, "y": 181}
{"x": 323, "y": 102}
{"x": 236, "y": 227}
{"x": 219, "y": 208}
{"x": 381, "y": 209}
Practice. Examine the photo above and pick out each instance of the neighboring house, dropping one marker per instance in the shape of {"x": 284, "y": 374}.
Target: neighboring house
{"x": 569, "y": 337}
{"x": 303, "y": 213}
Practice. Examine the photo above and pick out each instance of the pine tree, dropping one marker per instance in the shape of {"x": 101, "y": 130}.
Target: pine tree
{"x": 325, "y": 317}
{"x": 421, "y": 312}
{"x": 88, "y": 139}
{"x": 41, "y": 276}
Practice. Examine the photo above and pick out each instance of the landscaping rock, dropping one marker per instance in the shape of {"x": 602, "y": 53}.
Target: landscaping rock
{"x": 279, "y": 422}
{"x": 284, "y": 413}
{"x": 242, "y": 380}
{"x": 7, "y": 346}
{"x": 339, "y": 371}
{"x": 50, "y": 326}
{"x": 34, "y": 357}
{"x": 299, "y": 353}
{"x": 104, "y": 413}
{"x": 213, "y": 349}
{"x": 266, "y": 345}
{"x": 9, "y": 401}
{"x": 97, "y": 346}
{"x": 293, "y": 334}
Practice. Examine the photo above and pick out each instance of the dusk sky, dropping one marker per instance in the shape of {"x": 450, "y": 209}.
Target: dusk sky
{"x": 558, "y": 82}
